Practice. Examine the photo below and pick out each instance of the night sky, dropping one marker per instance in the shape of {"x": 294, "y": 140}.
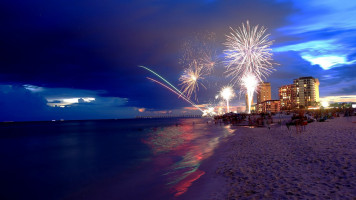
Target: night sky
{"x": 83, "y": 55}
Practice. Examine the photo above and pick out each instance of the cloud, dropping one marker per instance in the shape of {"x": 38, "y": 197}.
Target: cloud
{"x": 327, "y": 28}
{"x": 339, "y": 99}
{"x": 17, "y": 103}
{"x": 54, "y": 101}
{"x": 97, "y": 46}
{"x": 327, "y": 53}
{"x": 92, "y": 50}
{"x": 317, "y": 15}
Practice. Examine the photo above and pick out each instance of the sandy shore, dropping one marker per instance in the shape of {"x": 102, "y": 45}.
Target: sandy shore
{"x": 257, "y": 163}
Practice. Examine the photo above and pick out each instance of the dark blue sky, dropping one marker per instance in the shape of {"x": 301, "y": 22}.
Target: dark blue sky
{"x": 56, "y": 52}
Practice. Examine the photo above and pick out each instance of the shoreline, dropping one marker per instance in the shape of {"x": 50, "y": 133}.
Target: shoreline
{"x": 259, "y": 163}
{"x": 209, "y": 184}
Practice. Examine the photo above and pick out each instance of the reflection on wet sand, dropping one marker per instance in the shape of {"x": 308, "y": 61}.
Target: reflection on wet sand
{"x": 179, "y": 151}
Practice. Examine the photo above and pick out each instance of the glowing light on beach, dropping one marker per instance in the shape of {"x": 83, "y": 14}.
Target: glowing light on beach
{"x": 248, "y": 51}
{"x": 210, "y": 111}
{"x": 227, "y": 93}
{"x": 250, "y": 82}
{"x": 325, "y": 104}
{"x": 189, "y": 80}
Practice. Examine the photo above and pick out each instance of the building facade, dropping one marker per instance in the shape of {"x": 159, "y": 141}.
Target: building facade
{"x": 287, "y": 96}
{"x": 306, "y": 91}
{"x": 264, "y": 93}
{"x": 269, "y": 106}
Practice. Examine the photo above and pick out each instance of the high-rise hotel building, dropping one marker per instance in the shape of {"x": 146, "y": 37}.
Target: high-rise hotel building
{"x": 307, "y": 91}
{"x": 264, "y": 93}
{"x": 303, "y": 92}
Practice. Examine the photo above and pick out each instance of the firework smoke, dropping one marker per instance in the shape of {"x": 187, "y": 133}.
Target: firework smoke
{"x": 201, "y": 50}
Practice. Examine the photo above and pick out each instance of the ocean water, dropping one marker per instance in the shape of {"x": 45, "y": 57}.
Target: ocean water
{"x": 105, "y": 159}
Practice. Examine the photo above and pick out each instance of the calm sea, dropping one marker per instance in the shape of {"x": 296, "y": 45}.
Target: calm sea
{"x": 105, "y": 159}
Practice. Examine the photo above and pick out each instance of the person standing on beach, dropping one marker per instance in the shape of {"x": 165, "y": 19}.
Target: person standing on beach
{"x": 298, "y": 124}
{"x": 269, "y": 122}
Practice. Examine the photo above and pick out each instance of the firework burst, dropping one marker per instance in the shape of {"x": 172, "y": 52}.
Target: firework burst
{"x": 248, "y": 51}
{"x": 202, "y": 50}
{"x": 190, "y": 79}
{"x": 170, "y": 87}
{"x": 209, "y": 112}
{"x": 227, "y": 93}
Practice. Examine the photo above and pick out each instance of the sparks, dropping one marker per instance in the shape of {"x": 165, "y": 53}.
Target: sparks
{"x": 179, "y": 94}
{"x": 250, "y": 82}
{"x": 248, "y": 51}
{"x": 202, "y": 50}
{"x": 190, "y": 80}
{"x": 170, "y": 87}
{"x": 227, "y": 93}
{"x": 209, "y": 112}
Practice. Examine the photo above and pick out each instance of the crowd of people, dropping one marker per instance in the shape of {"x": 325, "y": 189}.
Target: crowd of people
{"x": 299, "y": 118}
{"x": 230, "y": 118}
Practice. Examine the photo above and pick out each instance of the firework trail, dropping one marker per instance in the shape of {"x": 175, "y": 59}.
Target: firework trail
{"x": 159, "y": 76}
{"x": 175, "y": 92}
{"x": 250, "y": 82}
{"x": 171, "y": 88}
{"x": 248, "y": 51}
{"x": 190, "y": 80}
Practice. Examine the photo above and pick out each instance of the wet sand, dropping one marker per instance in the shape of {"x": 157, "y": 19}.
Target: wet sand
{"x": 257, "y": 163}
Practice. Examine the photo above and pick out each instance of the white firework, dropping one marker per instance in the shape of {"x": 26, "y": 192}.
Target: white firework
{"x": 227, "y": 93}
{"x": 248, "y": 51}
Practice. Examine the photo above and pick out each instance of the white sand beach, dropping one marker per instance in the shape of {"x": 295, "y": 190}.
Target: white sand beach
{"x": 257, "y": 163}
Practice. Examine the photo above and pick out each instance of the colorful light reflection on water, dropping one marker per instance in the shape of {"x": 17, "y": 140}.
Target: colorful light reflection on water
{"x": 105, "y": 159}
{"x": 179, "y": 151}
